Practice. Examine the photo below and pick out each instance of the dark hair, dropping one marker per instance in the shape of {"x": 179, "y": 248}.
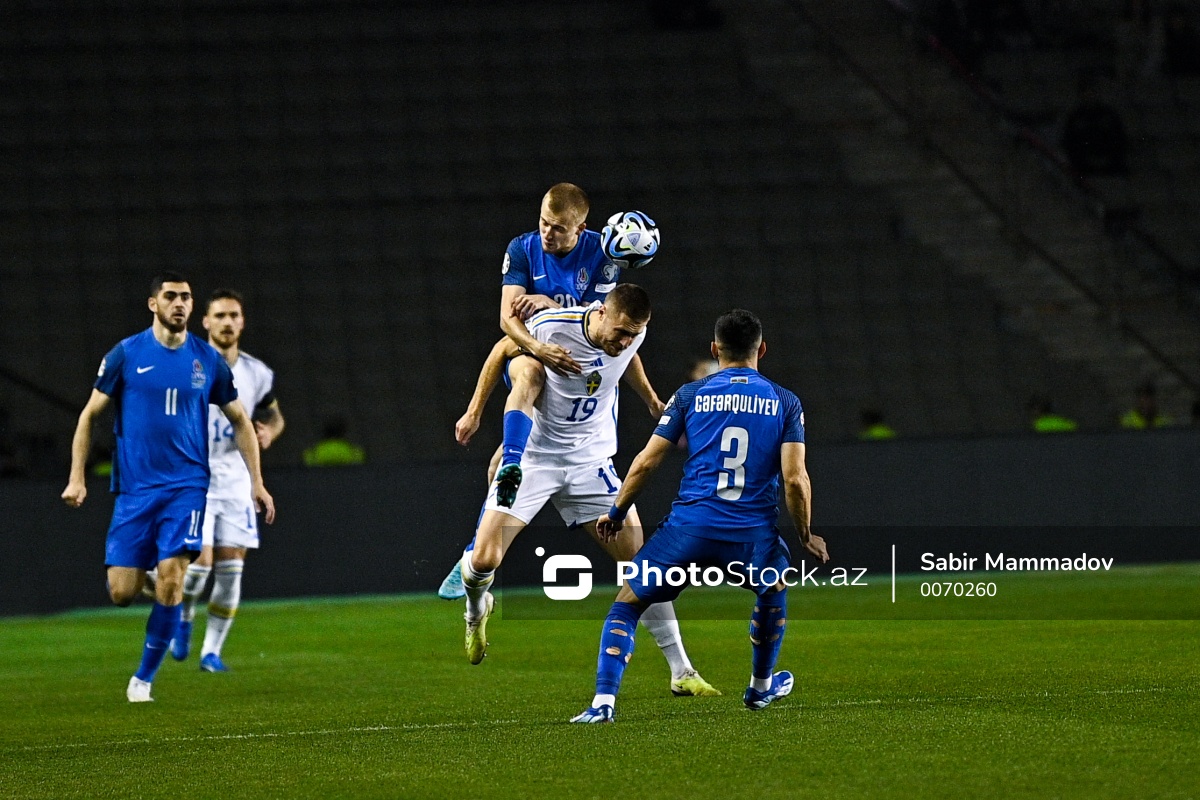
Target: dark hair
{"x": 166, "y": 277}
{"x": 225, "y": 294}
{"x": 631, "y": 300}
{"x": 738, "y": 334}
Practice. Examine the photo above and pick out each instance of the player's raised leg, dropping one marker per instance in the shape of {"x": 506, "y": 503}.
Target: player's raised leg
{"x": 496, "y": 532}
{"x": 528, "y": 376}
{"x": 659, "y": 618}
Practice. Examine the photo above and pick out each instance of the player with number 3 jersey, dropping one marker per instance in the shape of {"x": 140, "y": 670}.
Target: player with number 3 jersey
{"x": 744, "y": 434}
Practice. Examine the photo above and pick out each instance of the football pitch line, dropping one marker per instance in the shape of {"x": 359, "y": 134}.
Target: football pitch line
{"x": 434, "y": 726}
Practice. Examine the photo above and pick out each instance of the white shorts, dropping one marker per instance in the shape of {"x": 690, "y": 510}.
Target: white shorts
{"x": 230, "y": 523}
{"x": 581, "y": 494}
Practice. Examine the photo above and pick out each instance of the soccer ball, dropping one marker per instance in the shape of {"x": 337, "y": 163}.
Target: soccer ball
{"x": 630, "y": 239}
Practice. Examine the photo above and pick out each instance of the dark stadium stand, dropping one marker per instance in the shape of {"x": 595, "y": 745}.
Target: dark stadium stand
{"x": 357, "y": 169}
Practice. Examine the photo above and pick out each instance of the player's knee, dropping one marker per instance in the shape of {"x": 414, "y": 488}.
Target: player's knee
{"x": 121, "y": 595}
{"x": 527, "y": 373}
{"x": 483, "y": 560}
{"x": 169, "y": 593}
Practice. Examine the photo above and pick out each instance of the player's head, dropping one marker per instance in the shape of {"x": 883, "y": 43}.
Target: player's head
{"x": 737, "y": 337}
{"x": 563, "y": 217}
{"x": 621, "y": 319}
{"x": 224, "y": 317}
{"x": 171, "y": 300}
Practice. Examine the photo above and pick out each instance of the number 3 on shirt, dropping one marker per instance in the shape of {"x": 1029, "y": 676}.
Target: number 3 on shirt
{"x": 736, "y": 442}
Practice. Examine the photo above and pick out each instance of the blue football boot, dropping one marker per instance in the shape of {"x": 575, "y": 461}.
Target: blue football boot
{"x": 452, "y": 586}
{"x": 181, "y": 645}
{"x": 595, "y": 715}
{"x": 212, "y": 663}
{"x": 781, "y": 686}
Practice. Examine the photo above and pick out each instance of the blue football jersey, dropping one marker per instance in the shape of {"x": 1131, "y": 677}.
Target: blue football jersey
{"x": 161, "y": 399}
{"x": 736, "y": 422}
{"x": 581, "y": 276}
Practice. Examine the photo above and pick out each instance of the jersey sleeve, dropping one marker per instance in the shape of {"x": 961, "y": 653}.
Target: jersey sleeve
{"x": 604, "y": 281}
{"x": 540, "y": 332}
{"x": 109, "y": 378}
{"x": 671, "y": 423}
{"x": 793, "y": 418}
{"x": 223, "y": 391}
{"x": 515, "y": 270}
{"x": 268, "y": 396}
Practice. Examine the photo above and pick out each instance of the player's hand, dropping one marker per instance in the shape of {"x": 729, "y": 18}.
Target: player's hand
{"x": 607, "y": 529}
{"x": 75, "y": 493}
{"x": 558, "y": 359}
{"x": 465, "y": 428}
{"x": 816, "y": 545}
{"x": 264, "y": 435}
{"x": 526, "y": 305}
{"x": 264, "y": 503}
{"x": 657, "y": 407}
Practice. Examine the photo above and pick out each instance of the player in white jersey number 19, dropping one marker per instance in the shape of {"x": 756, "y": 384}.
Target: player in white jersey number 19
{"x": 568, "y": 462}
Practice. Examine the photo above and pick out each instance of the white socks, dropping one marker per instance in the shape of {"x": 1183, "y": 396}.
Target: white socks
{"x": 222, "y": 605}
{"x": 193, "y": 587}
{"x": 477, "y": 584}
{"x": 604, "y": 700}
{"x": 660, "y": 620}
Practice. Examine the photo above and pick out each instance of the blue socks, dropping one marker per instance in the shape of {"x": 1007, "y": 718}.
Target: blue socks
{"x": 160, "y": 629}
{"x": 517, "y": 426}
{"x": 767, "y": 625}
{"x": 616, "y": 646}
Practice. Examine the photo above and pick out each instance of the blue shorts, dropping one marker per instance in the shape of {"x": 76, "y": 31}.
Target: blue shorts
{"x": 149, "y": 527}
{"x": 681, "y": 547}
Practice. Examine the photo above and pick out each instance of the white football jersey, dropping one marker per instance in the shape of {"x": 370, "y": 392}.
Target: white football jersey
{"x": 575, "y": 418}
{"x": 230, "y": 477}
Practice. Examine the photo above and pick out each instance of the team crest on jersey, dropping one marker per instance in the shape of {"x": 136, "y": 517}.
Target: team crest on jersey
{"x": 581, "y": 280}
{"x": 198, "y": 376}
{"x": 592, "y": 383}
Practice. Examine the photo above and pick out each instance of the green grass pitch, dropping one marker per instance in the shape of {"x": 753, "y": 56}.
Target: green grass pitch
{"x": 374, "y": 697}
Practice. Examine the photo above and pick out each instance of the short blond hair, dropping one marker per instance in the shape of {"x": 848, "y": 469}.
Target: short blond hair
{"x": 567, "y": 198}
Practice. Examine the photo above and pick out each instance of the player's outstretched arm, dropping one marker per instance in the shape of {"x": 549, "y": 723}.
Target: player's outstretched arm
{"x": 635, "y": 376}
{"x": 247, "y": 444}
{"x": 553, "y": 356}
{"x": 647, "y": 461}
{"x": 81, "y": 445}
{"x": 489, "y": 376}
{"x": 268, "y": 424}
{"x": 797, "y": 491}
